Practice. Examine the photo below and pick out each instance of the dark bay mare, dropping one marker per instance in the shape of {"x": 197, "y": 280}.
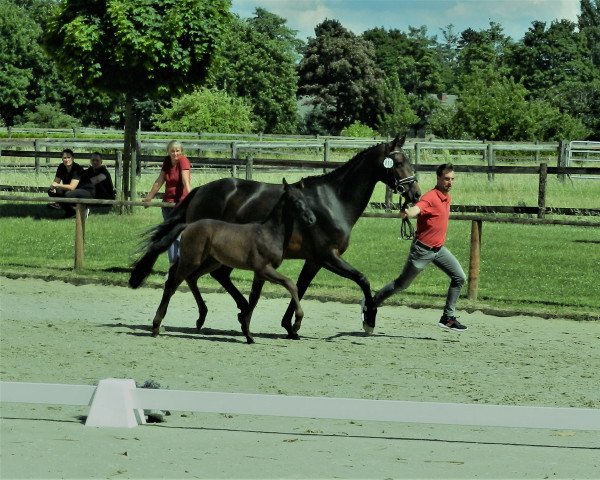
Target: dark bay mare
{"x": 208, "y": 244}
{"x": 337, "y": 198}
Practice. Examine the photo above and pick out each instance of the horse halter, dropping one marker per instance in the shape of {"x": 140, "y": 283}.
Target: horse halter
{"x": 401, "y": 185}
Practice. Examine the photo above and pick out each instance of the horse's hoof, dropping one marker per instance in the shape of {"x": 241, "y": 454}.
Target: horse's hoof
{"x": 293, "y": 336}
{"x": 154, "y": 333}
{"x": 368, "y": 328}
{"x": 249, "y": 340}
{"x": 199, "y": 325}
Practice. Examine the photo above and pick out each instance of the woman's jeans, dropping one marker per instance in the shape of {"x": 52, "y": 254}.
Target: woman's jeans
{"x": 173, "y": 250}
{"x": 418, "y": 259}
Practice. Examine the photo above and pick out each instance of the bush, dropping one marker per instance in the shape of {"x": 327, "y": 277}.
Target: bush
{"x": 205, "y": 110}
{"x": 50, "y": 116}
{"x": 358, "y": 130}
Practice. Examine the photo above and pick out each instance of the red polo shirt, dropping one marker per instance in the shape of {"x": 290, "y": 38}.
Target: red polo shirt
{"x": 173, "y": 179}
{"x": 432, "y": 222}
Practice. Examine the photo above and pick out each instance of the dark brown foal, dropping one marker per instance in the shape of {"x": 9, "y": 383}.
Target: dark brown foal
{"x": 208, "y": 244}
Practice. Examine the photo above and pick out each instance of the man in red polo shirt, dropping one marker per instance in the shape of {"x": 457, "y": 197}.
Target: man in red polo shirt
{"x": 432, "y": 212}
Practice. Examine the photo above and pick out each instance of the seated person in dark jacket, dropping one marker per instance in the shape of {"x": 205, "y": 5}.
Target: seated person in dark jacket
{"x": 100, "y": 178}
{"x": 67, "y": 179}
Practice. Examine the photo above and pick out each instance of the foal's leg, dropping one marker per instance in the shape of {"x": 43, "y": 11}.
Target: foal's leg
{"x": 308, "y": 272}
{"x": 209, "y": 265}
{"x": 223, "y": 276}
{"x": 257, "y": 285}
{"x": 269, "y": 273}
{"x": 202, "y": 308}
{"x": 174, "y": 279}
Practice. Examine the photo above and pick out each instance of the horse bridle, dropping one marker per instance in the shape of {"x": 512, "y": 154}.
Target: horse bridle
{"x": 401, "y": 185}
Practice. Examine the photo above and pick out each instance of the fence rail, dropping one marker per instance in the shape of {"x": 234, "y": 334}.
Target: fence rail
{"x": 118, "y": 403}
{"x": 235, "y": 149}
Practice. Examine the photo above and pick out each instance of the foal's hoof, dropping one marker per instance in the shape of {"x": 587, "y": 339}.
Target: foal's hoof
{"x": 368, "y": 328}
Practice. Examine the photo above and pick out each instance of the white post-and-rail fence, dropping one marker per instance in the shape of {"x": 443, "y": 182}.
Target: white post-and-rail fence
{"x": 118, "y": 403}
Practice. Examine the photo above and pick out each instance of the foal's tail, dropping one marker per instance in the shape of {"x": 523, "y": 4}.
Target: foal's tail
{"x": 159, "y": 239}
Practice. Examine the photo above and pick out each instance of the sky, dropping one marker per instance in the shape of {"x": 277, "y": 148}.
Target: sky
{"x": 515, "y": 16}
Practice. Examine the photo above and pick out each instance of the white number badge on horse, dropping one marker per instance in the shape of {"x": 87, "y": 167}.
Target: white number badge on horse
{"x": 388, "y": 162}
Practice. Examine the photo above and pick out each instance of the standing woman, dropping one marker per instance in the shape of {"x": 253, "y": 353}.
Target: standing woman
{"x": 175, "y": 174}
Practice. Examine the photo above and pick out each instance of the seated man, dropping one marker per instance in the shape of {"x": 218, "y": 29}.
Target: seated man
{"x": 100, "y": 177}
{"x": 96, "y": 183}
{"x": 66, "y": 181}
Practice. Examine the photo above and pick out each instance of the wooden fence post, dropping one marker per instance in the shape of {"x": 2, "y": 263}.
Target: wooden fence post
{"x": 562, "y": 158}
{"x": 417, "y": 155}
{"x": 249, "y": 163}
{"x": 489, "y": 154}
{"x": 37, "y": 158}
{"x": 542, "y": 190}
{"x": 133, "y": 177}
{"x": 388, "y": 199}
{"x": 234, "y": 156}
{"x": 79, "y": 234}
{"x": 326, "y": 153}
{"x": 474, "y": 256}
{"x": 118, "y": 175}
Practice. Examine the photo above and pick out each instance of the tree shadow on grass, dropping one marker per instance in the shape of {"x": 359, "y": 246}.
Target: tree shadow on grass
{"x": 39, "y": 211}
{"x": 32, "y": 210}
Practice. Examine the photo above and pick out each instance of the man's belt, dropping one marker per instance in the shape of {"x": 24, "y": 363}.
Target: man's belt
{"x": 427, "y": 247}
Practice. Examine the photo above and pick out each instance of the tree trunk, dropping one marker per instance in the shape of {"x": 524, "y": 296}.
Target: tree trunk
{"x": 129, "y": 146}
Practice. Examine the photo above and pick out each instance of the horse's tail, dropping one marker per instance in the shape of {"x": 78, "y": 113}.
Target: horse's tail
{"x": 158, "y": 240}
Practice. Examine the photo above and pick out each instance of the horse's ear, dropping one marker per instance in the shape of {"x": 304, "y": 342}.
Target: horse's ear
{"x": 285, "y": 183}
{"x": 398, "y": 141}
{"x": 301, "y": 183}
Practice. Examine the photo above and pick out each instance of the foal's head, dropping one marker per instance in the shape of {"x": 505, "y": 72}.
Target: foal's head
{"x": 294, "y": 204}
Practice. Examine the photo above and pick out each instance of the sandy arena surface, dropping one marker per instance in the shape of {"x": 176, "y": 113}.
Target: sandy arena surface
{"x": 55, "y": 332}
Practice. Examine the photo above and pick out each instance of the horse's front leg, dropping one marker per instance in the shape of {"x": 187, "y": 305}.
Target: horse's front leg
{"x": 223, "y": 276}
{"x": 244, "y": 318}
{"x": 308, "y": 272}
{"x": 336, "y": 265}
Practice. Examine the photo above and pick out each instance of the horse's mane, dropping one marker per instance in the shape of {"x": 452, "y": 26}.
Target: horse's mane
{"x": 342, "y": 169}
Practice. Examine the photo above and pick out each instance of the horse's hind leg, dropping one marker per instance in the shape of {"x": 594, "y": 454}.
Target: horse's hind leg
{"x": 308, "y": 272}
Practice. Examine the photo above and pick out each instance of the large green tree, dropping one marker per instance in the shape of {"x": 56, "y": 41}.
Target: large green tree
{"x": 340, "y": 79}
{"x": 258, "y": 63}
{"x": 137, "y": 48}
{"x": 492, "y": 107}
{"x": 483, "y": 49}
{"x": 409, "y": 61}
{"x": 551, "y": 56}
{"x": 589, "y": 27}
{"x": 20, "y": 56}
